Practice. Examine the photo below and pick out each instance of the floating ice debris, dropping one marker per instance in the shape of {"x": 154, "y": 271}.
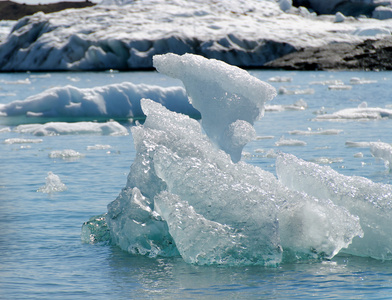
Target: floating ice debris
{"x": 371, "y": 202}
{"x": 63, "y": 128}
{"x": 358, "y": 155}
{"x": 285, "y": 91}
{"x": 357, "y": 144}
{"x": 317, "y": 132}
{"x": 67, "y": 154}
{"x": 356, "y": 80}
{"x": 289, "y": 142}
{"x": 116, "y": 101}
{"x": 383, "y": 151}
{"x": 328, "y": 82}
{"x": 280, "y": 79}
{"x": 327, "y": 160}
{"x": 213, "y": 86}
{"x": 99, "y": 147}
{"x": 48, "y": 75}
{"x": 362, "y": 113}
{"x": 340, "y": 87}
{"x": 21, "y": 81}
{"x": 22, "y": 141}
{"x": 298, "y": 105}
{"x": 5, "y": 129}
{"x": 265, "y": 137}
{"x": 53, "y": 184}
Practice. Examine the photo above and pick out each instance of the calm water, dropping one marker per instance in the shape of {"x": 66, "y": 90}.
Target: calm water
{"x": 42, "y": 257}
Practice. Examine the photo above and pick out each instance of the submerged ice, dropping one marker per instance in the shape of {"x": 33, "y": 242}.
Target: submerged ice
{"x": 188, "y": 194}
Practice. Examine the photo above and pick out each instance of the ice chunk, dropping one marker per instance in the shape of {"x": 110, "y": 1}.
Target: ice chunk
{"x": 95, "y": 230}
{"x": 136, "y": 228}
{"x": 317, "y": 132}
{"x": 22, "y": 141}
{"x": 285, "y": 91}
{"x": 178, "y": 167}
{"x": 116, "y": 101}
{"x": 53, "y": 184}
{"x": 371, "y": 202}
{"x": 214, "y": 86}
{"x": 289, "y": 142}
{"x": 298, "y": 105}
{"x": 221, "y": 243}
{"x": 360, "y": 113}
{"x": 383, "y": 151}
{"x": 63, "y": 128}
{"x": 67, "y": 154}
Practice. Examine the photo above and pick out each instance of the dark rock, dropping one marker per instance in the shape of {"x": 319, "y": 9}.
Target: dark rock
{"x": 14, "y": 11}
{"x": 368, "y": 55}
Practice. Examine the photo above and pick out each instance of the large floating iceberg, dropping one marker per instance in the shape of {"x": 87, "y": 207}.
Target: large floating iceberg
{"x": 116, "y": 101}
{"x": 185, "y": 195}
{"x": 246, "y": 33}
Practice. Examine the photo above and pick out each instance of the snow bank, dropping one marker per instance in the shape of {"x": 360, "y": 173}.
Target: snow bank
{"x": 116, "y": 101}
{"x": 371, "y": 202}
{"x": 245, "y": 33}
{"x": 62, "y": 128}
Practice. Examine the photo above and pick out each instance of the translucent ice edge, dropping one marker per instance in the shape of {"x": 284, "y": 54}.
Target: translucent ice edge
{"x": 186, "y": 196}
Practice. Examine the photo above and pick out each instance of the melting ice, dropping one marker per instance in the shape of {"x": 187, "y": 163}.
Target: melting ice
{"x": 189, "y": 194}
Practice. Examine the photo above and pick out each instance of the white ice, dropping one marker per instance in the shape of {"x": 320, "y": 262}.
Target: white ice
{"x": 383, "y": 151}
{"x": 371, "y": 202}
{"x": 67, "y": 154}
{"x": 246, "y": 33}
{"x": 53, "y": 184}
{"x": 115, "y": 101}
{"x": 183, "y": 195}
{"x": 63, "y": 128}
{"x": 361, "y": 113}
{"x": 214, "y": 86}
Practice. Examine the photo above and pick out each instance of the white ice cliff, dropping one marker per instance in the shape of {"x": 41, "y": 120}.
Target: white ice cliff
{"x": 239, "y": 32}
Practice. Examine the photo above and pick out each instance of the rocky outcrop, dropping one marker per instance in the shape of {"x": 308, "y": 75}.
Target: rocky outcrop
{"x": 14, "y": 11}
{"x": 367, "y": 55}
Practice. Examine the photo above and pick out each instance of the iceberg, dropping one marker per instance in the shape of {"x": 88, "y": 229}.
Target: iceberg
{"x": 243, "y": 33}
{"x": 116, "y": 101}
{"x": 186, "y": 196}
{"x": 370, "y": 201}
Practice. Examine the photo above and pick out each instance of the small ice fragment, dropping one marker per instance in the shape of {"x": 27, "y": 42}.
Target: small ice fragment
{"x": 383, "y": 151}
{"x": 99, "y": 147}
{"x": 53, "y": 184}
{"x": 289, "y": 142}
{"x": 67, "y": 154}
{"x": 22, "y": 141}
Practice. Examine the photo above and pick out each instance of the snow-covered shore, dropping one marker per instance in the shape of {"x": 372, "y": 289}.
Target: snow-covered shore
{"x": 244, "y": 33}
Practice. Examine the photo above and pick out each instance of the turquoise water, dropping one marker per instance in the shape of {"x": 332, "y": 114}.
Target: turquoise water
{"x": 42, "y": 256}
